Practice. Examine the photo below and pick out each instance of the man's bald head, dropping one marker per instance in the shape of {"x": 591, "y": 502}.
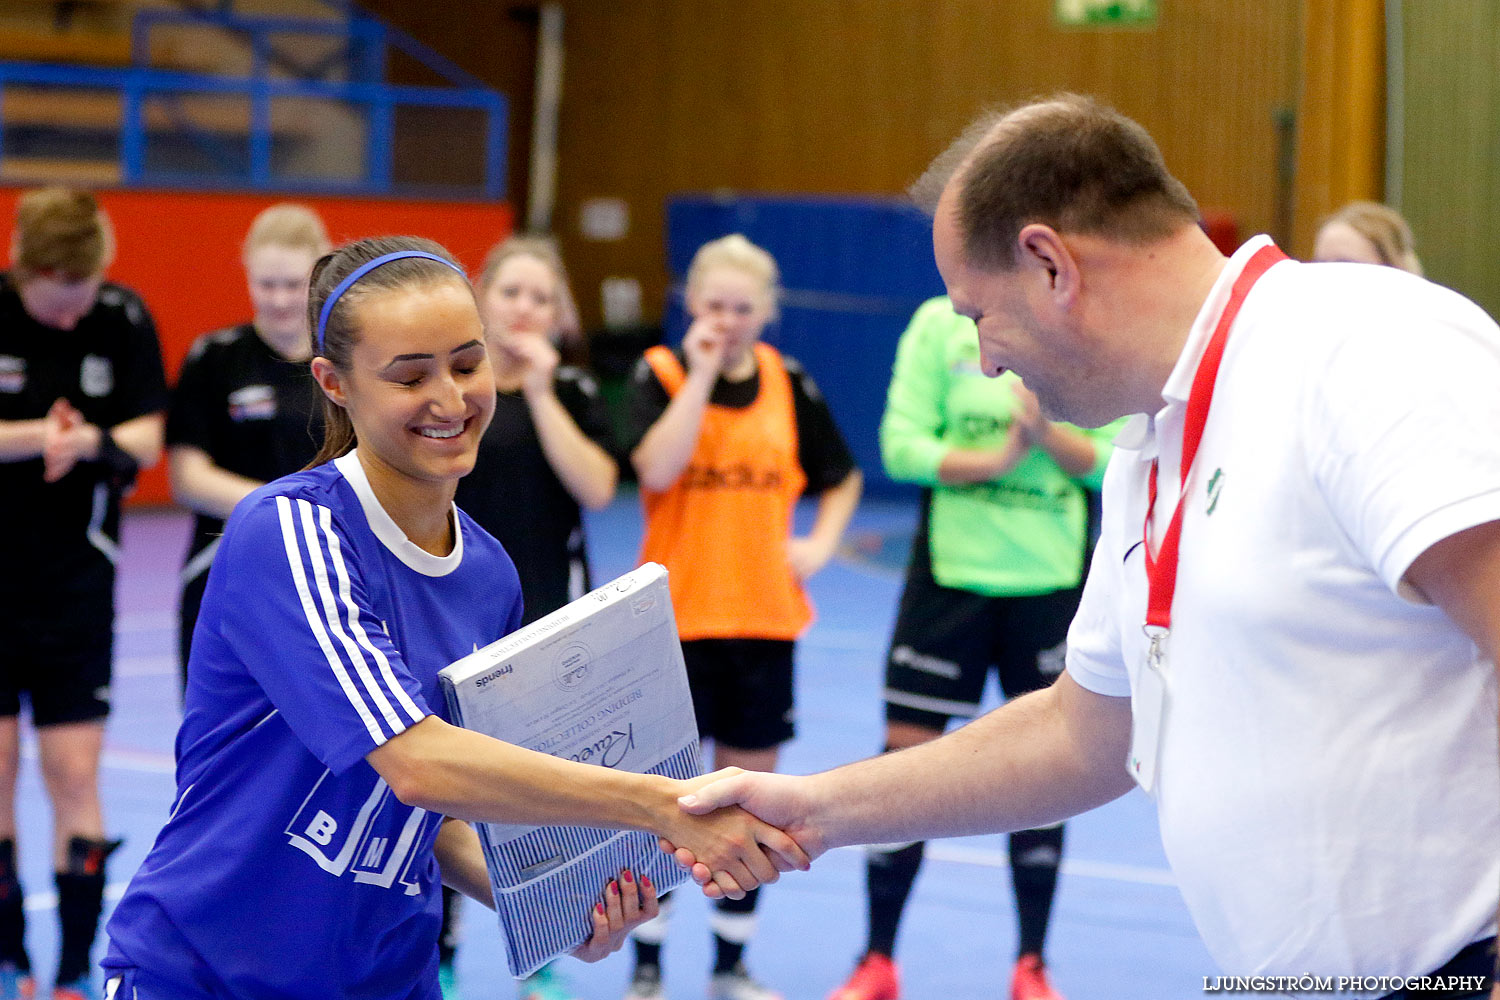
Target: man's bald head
{"x": 1067, "y": 162}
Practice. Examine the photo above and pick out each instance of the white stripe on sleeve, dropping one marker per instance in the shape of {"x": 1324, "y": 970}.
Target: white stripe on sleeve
{"x": 336, "y": 556}
{"x": 315, "y": 545}
{"x": 315, "y": 620}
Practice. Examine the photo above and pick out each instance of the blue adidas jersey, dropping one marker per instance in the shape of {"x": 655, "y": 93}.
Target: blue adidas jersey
{"x": 287, "y": 868}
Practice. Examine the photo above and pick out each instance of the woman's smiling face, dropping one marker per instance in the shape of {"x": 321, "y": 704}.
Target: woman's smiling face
{"x": 418, "y": 389}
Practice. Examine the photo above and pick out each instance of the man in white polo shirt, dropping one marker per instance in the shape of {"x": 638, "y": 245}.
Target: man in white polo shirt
{"x": 1295, "y": 654}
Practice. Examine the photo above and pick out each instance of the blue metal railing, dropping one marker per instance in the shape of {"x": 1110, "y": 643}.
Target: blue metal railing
{"x": 366, "y": 44}
{"x": 366, "y": 39}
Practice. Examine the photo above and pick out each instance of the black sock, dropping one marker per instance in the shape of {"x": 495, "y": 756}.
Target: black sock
{"x": 889, "y": 876}
{"x": 647, "y": 954}
{"x": 727, "y": 953}
{"x": 1034, "y": 857}
{"x": 448, "y": 935}
{"x": 12, "y": 910}
{"x": 80, "y": 899}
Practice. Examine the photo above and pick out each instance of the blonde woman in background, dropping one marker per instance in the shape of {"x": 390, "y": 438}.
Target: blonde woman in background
{"x": 246, "y": 409}
{"x": 546, "y": 456}
{"x": 1366, "y": 232}
{"x": 727, "y": 434}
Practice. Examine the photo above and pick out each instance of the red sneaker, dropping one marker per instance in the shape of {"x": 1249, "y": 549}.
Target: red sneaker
{"x": 874, "y": 978}
{"x": 1028, "y": 981}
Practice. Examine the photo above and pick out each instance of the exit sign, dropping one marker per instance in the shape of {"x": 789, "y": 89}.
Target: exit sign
{"x": 1105, "y": 13}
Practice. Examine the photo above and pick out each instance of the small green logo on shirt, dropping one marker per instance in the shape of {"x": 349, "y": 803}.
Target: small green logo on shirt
{"x": 1215, "y": 485}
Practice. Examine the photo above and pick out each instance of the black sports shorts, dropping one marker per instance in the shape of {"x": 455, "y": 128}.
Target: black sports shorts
{"x": 61, "y": 665}
{"x": 742, "y": 690}
{"x": 946, "y": 640}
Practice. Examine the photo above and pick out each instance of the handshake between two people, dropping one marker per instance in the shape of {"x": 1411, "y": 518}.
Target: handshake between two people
{"x": 741, "y": 829}
{"x": 732, "y": 831}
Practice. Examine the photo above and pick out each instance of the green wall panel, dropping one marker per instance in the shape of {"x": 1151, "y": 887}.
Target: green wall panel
{"x": 1450, "y": 149}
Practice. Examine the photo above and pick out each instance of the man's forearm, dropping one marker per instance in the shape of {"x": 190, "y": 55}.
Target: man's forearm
{"x": 1461, "y": 575}
{"x": 1036, "y": 760}
{"x": 21, "y": 439}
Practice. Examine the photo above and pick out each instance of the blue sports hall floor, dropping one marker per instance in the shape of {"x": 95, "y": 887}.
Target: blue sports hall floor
{"x": 1119, "y": 929}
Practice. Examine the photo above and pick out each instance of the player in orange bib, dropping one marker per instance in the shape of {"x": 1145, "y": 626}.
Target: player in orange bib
{"x": 725, "y": 435}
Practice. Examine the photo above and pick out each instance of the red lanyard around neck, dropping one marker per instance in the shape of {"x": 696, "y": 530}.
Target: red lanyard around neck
{"x": 1161, "y": 571}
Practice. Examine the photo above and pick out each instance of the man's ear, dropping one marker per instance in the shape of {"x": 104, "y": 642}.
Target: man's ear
{"x": 329, "y": 380}
{"x": 1041, "y": 248}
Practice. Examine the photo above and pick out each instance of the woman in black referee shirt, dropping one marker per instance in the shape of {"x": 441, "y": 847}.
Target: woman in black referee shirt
{"x": 547, "y": 454}
{"x": 246, "y": 409}
{"x": 81, "y": 395}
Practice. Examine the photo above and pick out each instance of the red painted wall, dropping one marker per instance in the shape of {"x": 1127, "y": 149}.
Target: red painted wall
{"x": 181, "y": 252}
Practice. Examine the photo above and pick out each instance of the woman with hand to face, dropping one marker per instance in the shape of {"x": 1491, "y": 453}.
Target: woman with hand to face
{"x": 546, "y": 456}
{"x": 320, "y": 791}
{"x": 728, "y": 434}
{"x": 548, "y": 453}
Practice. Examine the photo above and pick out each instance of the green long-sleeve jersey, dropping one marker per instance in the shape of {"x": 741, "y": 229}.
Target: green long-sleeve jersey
{"x": 1023, "y": 533}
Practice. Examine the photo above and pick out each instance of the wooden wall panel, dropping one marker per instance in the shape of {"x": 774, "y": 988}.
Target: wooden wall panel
{"x": 856, "y": 96}
{"x": 1451, "y": 146}
{"x": 494, "y": 41}
{"x": 1341, "y": 152}
{"x": 842, "y": 96}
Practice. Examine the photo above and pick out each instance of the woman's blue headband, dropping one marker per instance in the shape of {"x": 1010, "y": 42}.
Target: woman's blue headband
{"x": 364, "y": 269}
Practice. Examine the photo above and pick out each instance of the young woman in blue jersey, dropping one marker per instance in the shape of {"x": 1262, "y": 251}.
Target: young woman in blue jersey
{"x": 319, "y": 788}
{"x": 546, "y": 455}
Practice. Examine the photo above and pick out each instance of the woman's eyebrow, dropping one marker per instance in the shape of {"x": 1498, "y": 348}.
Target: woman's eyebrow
{"x": 428, "y": 357}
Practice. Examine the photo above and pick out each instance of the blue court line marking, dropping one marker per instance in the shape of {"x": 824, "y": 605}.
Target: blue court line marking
{"x": 138, "y": 622}
{"x": 145, "y": 666}
{"x": 844, "y": 639}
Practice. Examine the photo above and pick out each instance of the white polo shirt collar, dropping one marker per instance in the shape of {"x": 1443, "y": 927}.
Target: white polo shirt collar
{"x": 390, "y": 534}
{"x": 1139, "y": 432}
